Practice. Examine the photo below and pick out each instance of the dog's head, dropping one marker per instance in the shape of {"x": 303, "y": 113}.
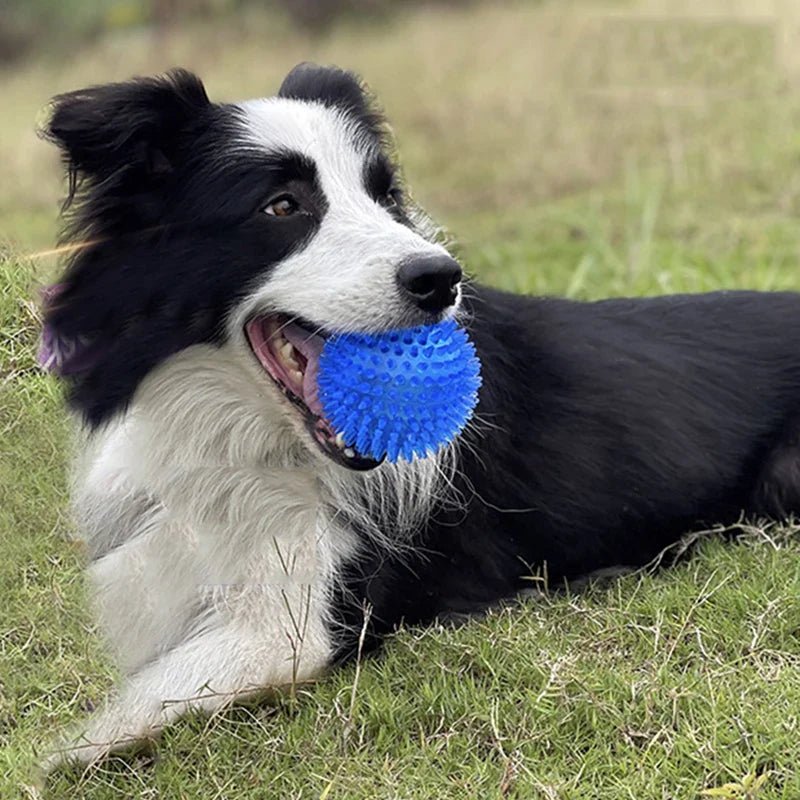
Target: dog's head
{"x": 262, "y": 225}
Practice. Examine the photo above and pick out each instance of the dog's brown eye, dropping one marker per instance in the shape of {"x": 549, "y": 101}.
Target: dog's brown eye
{"x": 283, "y": 206}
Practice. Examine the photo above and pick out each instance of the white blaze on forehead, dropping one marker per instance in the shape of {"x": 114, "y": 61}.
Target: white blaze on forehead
{"x": 327, "y": 136}
{"x": 344, "y": 278}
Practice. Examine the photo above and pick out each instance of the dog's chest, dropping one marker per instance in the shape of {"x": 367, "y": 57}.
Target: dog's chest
{"x": 201, "y": 546}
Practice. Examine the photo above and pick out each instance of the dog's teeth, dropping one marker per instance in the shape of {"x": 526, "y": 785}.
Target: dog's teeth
{"x": 287, "y": 352}
{"x": 296, "y": 375}
{"x": 349, "y": 452}
{"x": 339, "y": 440}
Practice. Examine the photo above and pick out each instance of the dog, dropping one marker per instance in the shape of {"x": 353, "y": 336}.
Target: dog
{"x": 234, "y": 543}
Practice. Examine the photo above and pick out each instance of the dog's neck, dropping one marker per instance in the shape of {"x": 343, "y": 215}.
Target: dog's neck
{"x": 207, "y": 437}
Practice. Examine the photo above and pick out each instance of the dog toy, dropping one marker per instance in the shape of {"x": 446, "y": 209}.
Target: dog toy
{"x": 402, "y": 393}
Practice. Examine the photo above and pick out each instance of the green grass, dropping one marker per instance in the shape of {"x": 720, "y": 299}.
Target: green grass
{"x": 569, "y": 152}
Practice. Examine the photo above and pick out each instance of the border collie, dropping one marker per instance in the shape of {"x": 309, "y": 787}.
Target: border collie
{"x": 234, "y": 544}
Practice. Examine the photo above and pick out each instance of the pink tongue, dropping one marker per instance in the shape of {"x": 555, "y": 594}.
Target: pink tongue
{"x": 310, "y": 346}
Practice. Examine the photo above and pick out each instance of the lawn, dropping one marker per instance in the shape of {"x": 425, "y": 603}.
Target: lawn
{"x": 581, "y": 148}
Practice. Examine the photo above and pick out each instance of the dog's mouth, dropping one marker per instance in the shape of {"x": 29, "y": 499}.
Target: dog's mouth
{"x": 288, "y": 349}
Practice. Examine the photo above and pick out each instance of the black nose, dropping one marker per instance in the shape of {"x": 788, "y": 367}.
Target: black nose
{"x": 431, "y": 282}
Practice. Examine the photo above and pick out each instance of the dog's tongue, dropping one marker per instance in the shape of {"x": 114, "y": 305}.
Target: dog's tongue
{"x": 310, "y": 345}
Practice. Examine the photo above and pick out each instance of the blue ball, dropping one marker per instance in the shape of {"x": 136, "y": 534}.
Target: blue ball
{"x": 402, "y": 393}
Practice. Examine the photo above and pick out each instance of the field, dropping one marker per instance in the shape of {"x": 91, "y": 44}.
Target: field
{"x": 579, "y": 148}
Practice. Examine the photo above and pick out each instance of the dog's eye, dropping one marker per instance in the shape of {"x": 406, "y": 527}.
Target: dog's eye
{"x": 283, "y": 206}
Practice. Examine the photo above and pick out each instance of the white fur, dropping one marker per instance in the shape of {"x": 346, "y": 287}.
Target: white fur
{"x": 216, "y": 527}
{"x": 218, "y": 534}
{"x": 345, "y": 278}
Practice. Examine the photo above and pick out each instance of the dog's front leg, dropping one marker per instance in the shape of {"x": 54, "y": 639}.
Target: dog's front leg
{"x": 211, "y": 670}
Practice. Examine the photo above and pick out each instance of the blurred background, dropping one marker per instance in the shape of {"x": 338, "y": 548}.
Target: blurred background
{"x": 583, "y": 147}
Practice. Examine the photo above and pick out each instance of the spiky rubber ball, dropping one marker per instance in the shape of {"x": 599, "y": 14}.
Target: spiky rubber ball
{"x": 404, "y": 393}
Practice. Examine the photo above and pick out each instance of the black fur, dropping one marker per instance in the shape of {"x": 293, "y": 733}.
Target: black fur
{"x": 124, "y": 139}
{"x": 335, "y": 88}
{"x": 172, "y": 205}
{"x": 611, "y": 429}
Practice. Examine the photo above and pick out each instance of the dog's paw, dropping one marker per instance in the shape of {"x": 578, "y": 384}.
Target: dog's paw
{"x": 112, "y": 730}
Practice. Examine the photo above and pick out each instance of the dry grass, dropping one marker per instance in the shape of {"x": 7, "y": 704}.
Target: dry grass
{"x": 537, "y": 100}
{"x": 586, "y": 148}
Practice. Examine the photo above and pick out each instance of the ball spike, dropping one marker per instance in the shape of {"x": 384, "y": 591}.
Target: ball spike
{"x": 401, "y": 394}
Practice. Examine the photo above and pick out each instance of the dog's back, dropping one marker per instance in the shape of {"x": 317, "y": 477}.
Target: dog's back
{"x": 606, "y": 431}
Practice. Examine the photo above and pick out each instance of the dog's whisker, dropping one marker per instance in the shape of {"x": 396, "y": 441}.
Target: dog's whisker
{"x": 279, "y": 330}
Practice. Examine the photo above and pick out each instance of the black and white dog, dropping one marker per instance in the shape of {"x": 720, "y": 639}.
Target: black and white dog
{"x": 234, "y": 544}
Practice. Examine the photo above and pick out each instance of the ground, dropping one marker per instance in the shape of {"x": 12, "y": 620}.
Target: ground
{"x": 578, "y": 148}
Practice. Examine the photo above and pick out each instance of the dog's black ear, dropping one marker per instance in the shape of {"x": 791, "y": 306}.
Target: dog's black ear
{"x": 331, "y": 86}
{"x": 120, "y": 135}
{"x": 335, "y": 88}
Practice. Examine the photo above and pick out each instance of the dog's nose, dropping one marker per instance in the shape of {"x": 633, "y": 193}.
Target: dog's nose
{"x": 431, "y": 282}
